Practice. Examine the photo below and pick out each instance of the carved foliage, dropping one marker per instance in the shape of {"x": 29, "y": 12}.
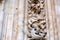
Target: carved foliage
{"x": 36, "y": 20}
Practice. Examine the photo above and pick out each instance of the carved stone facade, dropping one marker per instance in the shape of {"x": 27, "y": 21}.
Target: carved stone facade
{"x": 29, "y": 20}
{"x": 36, "y": 20}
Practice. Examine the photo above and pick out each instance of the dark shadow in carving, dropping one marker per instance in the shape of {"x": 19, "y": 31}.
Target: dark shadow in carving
{"x": 1, "y": 1}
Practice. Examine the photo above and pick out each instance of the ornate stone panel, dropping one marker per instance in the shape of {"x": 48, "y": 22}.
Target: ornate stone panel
{"x": 36, "y": 20}
{"x": 29, "y": 20}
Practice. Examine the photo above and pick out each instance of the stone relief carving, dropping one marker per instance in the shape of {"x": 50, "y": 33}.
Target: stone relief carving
{"x": 36, "y": 20}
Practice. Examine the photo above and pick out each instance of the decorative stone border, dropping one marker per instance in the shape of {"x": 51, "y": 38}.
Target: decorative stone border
{"x": 36, "y": 20}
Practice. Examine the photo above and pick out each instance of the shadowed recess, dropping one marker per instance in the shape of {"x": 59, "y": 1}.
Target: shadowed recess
{"x": 1, "y": 1}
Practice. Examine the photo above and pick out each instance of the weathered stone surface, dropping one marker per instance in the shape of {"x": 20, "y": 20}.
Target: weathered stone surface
{"x": 29, "y": 20}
